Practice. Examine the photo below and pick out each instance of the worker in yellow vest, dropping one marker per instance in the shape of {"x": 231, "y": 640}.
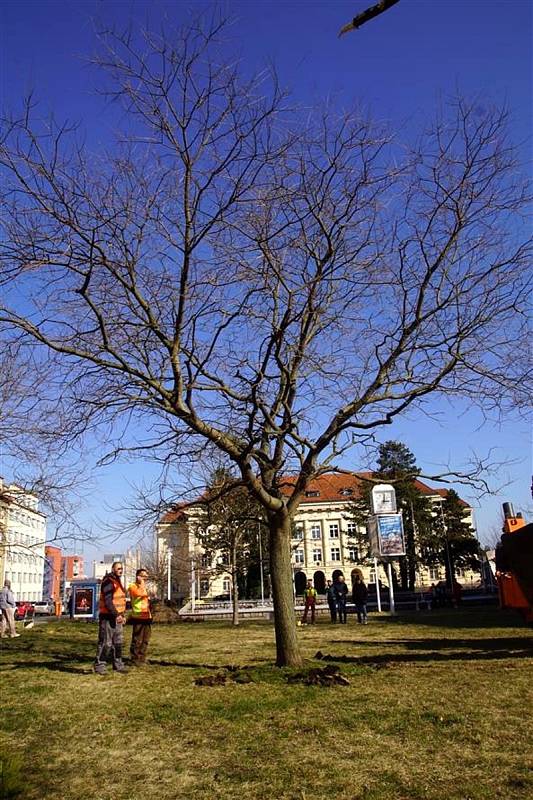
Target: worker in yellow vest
{"x": 310, "y": 595}
{"x": 140, "y": 618}
{"x": 111, "y": 619}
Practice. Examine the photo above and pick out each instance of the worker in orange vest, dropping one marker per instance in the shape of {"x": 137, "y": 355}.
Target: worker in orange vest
{"x": 111, "y": 621}
{"x": 140, "y": 618}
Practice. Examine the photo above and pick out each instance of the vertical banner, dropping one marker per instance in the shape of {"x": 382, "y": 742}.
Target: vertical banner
{"x": 386, "y": 537}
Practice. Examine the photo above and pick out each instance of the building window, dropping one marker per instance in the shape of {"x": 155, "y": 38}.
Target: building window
{"x": 206, "y": 560}
{"x": 352, "y": 553}
{"x": 204, "y": 587}
{"x": 317, "y": 556}
{"x": 335, "y": 554}
{"x": 434, "y": 573}
{"x": 346, "y": 492}
{"x": 298, "y": 532}
{"x": 351, "y": 528}
{"x": 312, "y": 493}
{"x": 299, "y": 557}
{"x": 334, "y": 531}
{"x": 316, "y": 533}
{"x": 225, "y": 585}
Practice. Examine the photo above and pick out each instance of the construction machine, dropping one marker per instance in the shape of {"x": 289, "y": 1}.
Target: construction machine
{"x": 514, "y": 563}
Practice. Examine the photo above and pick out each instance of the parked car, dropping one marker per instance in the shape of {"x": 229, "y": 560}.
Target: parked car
{"x": 23, "y": 609}
{"x": 44, "y": 607}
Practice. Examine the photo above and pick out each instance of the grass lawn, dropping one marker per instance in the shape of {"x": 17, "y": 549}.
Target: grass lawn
{"x": 438, "y": 706}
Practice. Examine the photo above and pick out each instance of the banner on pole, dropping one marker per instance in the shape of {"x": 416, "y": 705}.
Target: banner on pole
{"x": 386, "y": 536}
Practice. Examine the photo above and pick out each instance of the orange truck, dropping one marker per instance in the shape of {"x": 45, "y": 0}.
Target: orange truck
{"x": 514, "y": 563}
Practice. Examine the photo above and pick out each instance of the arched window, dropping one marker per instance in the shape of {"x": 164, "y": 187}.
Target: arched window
{"x": 300, "y": 581}
{"x": 319, "y": 581}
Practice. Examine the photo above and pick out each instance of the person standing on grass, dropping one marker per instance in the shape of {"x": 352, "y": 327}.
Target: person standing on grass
{"x": 111, "y": 621}
{"x": 341, "y": 590}
{"x": 332, "y": 603}
{"x": 359, "y": 597}
{"x": 140, "y": 618}
{"x": 310, "y": 595}
{"x": 7, "y": 610}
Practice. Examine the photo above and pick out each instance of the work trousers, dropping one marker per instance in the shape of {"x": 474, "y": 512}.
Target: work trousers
{"x": 140, "y": 636}
{"x": 341, "y": 609}
{"x": 361, "y": 612}
{"x": 8, "y": 622}
{"x": 309, "y": 604}
{"x": 110, "y": 643}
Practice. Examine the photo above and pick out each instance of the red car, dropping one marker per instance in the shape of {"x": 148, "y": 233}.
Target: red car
{"x": 24, "y": 609}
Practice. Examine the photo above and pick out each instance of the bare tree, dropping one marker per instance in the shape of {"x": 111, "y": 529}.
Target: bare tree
{"x": 273, "y": 284}
{"x": 36, "y": 437}
{"x": 227, "y": 516}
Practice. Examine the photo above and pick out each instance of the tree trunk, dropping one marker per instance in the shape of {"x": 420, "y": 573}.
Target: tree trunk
{"x": 403, "y": 573}
{"x": 449, "y": 564}
{"x": 287, "y": 646}
{"x": 235, "y": 584}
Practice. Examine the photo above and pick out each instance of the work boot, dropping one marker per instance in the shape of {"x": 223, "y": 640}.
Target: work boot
{"x": 99, "y": 670}
{"x": 119, "y": 666}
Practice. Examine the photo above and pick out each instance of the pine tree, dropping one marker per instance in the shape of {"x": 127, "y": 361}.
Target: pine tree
{"x": 397, "y": 465}
{"x": 454, "y": 541}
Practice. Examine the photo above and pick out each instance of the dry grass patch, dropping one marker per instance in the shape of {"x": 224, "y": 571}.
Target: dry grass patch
{"x": 438, "y": 705}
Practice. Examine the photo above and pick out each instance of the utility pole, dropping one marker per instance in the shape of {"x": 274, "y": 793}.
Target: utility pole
{"x": 261, "y": 564}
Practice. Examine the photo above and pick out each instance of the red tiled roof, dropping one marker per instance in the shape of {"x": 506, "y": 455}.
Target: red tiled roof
{"x": 332, "y": 487}
{"x": 336, "y": 486}
{"x": 174, "y": 514}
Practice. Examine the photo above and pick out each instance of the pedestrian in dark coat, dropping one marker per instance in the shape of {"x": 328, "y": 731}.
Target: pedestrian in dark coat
{"x": 359, "y": 597}
{"x": 332, "y": 601}
{"x": 341, "y": 590}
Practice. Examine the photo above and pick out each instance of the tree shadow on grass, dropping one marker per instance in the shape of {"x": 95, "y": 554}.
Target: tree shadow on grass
{"x": 481, "y": 617}
{"x": 441, "y": 650}
{"x": 53, "y": 666}
{"x": 505, "y": 643}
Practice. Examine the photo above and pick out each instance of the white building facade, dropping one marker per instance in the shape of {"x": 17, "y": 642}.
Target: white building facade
{"x": 325, "y": 542}
{"x": 23, "y": 532}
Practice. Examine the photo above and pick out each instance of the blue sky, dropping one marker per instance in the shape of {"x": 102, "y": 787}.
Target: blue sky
{"x": 398, "y": 64}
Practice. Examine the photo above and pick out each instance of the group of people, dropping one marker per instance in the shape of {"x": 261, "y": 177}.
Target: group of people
{"x": 112, "y": 618}
{"x": 337, "y": 595}
{"x": 441, "y": 596}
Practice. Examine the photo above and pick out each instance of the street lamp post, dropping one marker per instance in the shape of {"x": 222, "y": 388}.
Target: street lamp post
{"x": 193, "y": 586}
{"x": 447, "y": 546}
{"x": 169, "y": 574}
{"x": 261, "y": 565}
{"x": 378, "y": 593}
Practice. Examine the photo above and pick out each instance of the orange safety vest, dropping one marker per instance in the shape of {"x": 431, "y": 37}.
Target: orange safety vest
{"x": 140, "y": 604}
{"x": 119, "y": 596}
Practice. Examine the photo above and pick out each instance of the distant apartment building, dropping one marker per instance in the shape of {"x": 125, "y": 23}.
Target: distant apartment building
{"x": 324, "y": 543}
{"x": 72, "y": 567}
{"x": 23, "y": 535}
{"x": 52, "y": 573}
{"x": 130, "y": 560}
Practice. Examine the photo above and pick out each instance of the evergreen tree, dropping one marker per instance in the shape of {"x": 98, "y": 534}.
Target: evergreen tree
{"x": 397, "y": 465}
{"x": 453, "y": 543}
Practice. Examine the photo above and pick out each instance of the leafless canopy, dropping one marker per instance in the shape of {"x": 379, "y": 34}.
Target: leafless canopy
{"x": 275, "y": 284}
